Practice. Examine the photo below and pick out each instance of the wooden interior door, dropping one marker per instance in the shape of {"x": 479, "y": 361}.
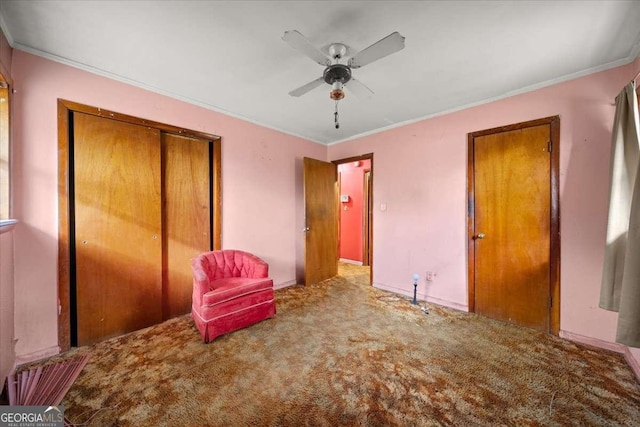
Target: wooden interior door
{"x": 186, "y": 213}
{"x": 118, "y": 227}
{"x": 321, "y": 220}
{"x": 512, "y": 227}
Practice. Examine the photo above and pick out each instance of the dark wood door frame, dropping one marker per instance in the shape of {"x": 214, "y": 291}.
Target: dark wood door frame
{"x": 367, "y": 214}
{"x": 554, "y": 256}
{"x": 65, "y": 174}
{"x": 368, "y": 156}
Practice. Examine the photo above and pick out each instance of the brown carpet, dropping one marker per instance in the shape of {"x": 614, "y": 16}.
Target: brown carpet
{"x": 345, "y": 354}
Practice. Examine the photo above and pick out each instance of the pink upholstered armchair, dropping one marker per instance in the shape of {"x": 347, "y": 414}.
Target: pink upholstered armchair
{"x": 231, "y": 290}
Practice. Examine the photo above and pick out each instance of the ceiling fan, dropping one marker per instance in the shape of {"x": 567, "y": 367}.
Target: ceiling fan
{"x": 337, "y": 73}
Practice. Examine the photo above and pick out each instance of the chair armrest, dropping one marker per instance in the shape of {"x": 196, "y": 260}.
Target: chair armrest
{"x": 201, "y": 282}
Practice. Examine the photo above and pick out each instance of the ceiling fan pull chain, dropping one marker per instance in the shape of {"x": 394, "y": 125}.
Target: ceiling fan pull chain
{"x": 335, "y": 117}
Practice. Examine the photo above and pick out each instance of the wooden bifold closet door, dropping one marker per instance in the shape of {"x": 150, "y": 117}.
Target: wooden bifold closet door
{"x": 141, "y": 211}
{"x": 186, "y": 216}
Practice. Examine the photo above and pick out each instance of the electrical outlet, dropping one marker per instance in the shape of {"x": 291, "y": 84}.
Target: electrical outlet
{"x": 430, "y": 276}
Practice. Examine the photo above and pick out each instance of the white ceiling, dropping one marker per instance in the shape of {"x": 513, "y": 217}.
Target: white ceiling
{"x": 229, "y": 55}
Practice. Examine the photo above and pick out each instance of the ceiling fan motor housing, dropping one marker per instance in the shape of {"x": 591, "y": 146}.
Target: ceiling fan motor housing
{"x": 337, "y": 73}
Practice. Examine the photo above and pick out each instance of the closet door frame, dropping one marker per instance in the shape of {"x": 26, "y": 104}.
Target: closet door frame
{"x": 65, "y": 174}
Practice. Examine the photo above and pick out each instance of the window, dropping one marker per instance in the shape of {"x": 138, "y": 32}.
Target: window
{"x": 4, "y": 149}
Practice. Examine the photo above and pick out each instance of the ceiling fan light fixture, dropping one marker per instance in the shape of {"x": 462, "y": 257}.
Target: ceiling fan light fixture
{"x": 336, "y": 91}
{"x": 336, "y": 95}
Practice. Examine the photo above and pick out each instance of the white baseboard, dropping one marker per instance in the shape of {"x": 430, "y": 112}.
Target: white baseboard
{"x": 423, "y": 297}
{"x": 350, "y": 261}
{"x": 594, "y": 342}
{"x": 285, "y": 284}
{"x": 446, "y": 303}
{"x": 37, "y": 355}
{"x": 634, "y": 363}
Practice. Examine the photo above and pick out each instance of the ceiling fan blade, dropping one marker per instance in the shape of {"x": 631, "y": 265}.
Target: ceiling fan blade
{"x": 308, "y": 87}
{"x": 359, "y": 89}
{"x": 301, "y": 44}
{"x": 388, "y": 45}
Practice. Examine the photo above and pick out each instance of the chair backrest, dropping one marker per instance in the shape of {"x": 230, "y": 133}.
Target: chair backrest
{"x": 230, "y": 263}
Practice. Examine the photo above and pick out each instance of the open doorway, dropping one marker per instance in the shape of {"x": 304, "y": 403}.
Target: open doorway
{"x": 355, "y": 238}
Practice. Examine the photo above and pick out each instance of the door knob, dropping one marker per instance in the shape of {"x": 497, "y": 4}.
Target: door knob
{"x": 480, "y": 236}
{"x": 305, "y": 229}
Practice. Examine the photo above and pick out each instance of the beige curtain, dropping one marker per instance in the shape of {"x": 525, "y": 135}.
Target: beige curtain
{"x": 620, "y": 289}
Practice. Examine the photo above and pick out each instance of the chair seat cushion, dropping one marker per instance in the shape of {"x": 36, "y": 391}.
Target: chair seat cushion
{"x": 223, "y": 290}
{"x": 238, "y": 308}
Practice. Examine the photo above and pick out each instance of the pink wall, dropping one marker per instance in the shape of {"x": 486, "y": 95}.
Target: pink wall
{"x": 421, "y": 173}
{"x": 351, "y": 212}
{"x": 261, "y": 188}
{"x": 7, "y": 319}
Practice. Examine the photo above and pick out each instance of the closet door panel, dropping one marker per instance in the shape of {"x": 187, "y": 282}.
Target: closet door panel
{"x": 118, "y": 227}
{"x": 186, "y": 216}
